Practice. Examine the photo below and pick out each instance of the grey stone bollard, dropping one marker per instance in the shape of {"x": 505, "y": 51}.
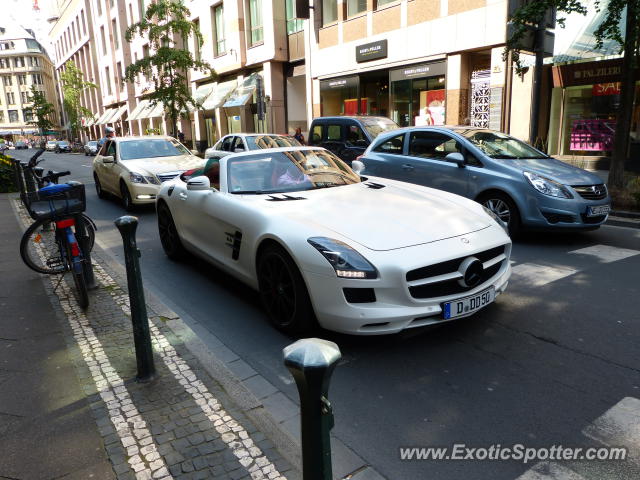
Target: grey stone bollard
{"x": 311, "y": 362}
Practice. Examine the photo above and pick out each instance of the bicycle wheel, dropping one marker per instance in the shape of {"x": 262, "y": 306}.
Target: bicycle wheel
{"x": 40, "y": 248}
{"x": 75, "y": 267}
{"x": 91, "y": 231}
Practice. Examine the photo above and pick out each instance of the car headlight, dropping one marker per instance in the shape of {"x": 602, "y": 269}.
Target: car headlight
{"x": 347, "y": 262}
{"x": 546, "y": 186}
{"x": 136, "y": 178}
{"x": 498, "y": 220}
{"x": 153, "y": 180}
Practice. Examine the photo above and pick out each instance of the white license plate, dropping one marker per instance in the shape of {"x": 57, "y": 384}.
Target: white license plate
{"x": 467, "y": 305}
{"x": 596, "y": 211}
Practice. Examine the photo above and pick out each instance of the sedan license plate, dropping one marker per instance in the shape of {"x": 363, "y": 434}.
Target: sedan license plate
{"x": 468, "y": 305}
{"x": 596, "y": 211}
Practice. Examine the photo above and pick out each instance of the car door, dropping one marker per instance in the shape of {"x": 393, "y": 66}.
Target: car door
{"x": 105, "y": 171}
{"x": 425, "y": 162}
{"x": 333, "y": 137}
{"x": 387, "y": 158}
{"x": 356, "y": 142}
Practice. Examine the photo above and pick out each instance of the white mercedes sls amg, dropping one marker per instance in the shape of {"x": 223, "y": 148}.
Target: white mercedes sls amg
{"x": 323, "y": 245}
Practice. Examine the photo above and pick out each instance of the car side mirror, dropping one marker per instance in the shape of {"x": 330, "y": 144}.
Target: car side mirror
{"x": 194, "y": 152}
{"x": 457, "y": 158}
{"x": 108, "y": 159}
{"x": 357, "y": 166}
{"x": 199, "y": 183}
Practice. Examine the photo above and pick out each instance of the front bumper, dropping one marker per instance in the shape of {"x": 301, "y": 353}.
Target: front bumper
{"x": 544, "y": 212}
{"x": 394, "y": 309}
{"x": 143, "y": 193}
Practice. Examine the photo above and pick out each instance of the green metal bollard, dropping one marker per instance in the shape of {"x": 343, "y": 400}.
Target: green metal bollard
{"x": 141, "y": 336}
{"x": 311, "y": 362}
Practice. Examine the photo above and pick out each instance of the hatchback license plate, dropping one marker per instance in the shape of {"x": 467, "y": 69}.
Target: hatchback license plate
{"x": 596, "y": 211}
{"x": 468, "y": 305}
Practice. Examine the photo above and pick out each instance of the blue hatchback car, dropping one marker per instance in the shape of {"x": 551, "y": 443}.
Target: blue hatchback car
{"x": 523, "y": 186}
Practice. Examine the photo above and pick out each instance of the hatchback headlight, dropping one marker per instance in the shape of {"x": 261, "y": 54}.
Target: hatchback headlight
{"x": 547, "y": 186}
{"x": 498, "y": 220}
{"x": 347, "y": 262}
{"x": 137, "y": 178}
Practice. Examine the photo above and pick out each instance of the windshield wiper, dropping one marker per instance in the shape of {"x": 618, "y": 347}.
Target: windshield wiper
{"x": 257, "y": 192}
{"x": 505, "y": 156}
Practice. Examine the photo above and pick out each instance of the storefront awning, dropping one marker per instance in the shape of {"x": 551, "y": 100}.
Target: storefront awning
{"x": 90, "y": 121}
{"x": 219, "y": 95}
{"x": 119, "y": 112}
{"x": 152, "y": 111}
{"x": 203, "y": 92}
{"x": 106, "y": 116}
{"x": 243, "y": 93}
{"x": 138, "y": 110}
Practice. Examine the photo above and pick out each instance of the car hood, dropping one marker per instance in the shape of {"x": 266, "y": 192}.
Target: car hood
{"x": 555, "y": 170}
{"x": 384, "y": 219}
{"x": 164, "y": 164}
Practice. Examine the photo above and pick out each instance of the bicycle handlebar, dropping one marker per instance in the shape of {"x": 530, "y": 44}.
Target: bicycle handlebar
{"x": 32, "y": 160}
{"x": 53, "y": 177}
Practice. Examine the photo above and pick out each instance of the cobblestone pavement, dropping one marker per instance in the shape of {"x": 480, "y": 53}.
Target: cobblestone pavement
{"x": 182, "y": 424}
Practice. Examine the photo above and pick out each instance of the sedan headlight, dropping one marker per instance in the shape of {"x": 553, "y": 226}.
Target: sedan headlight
{"x": 547, "y": 186}
{"x": 347, "y": 262}
{"x": 137, "y": 178}
{"x": 498, "y": 220}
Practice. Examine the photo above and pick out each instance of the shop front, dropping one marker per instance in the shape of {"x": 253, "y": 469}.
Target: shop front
{"x": 584, "y": 106}
{"x": 410, "y": 95}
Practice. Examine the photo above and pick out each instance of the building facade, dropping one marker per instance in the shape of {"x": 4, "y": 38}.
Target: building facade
{"x": 23, "y": 63}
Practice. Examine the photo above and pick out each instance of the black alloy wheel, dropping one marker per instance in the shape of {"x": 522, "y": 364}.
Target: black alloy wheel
{"x": 283, "y": 292}
{"x": 125, "y": 197}
{"x": 99, "y": 191}
{"x": 169, "y": 237}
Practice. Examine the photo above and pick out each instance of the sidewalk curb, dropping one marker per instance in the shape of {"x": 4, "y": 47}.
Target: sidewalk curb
{"x": 270, "y": 409}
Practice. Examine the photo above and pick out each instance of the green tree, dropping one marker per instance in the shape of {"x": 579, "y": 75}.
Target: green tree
{"x": 167, "y": 27}
{"x": 73, "y": 88}
{"x": 625, "y": 34}
{"x": 41, "y": 111}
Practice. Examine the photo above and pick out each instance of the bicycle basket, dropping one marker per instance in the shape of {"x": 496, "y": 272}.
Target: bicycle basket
{"x": 56, "y": 201}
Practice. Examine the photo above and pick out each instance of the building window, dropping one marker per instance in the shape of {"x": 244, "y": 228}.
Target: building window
{"x": 6, "y": 45}
{"x": 107, "y": 78}
{"x": 255, "y": 19}
{"x": 196, "y": 44}
{"x": 24, "y": 96}
{"x": 104, "y": 41}
{"x": 11, "y": 98}
{"x": 114, "y": 32}
{"x": 218, "y": 34}
{"x": 22, "y": 79}
{"x": 37, "y": 78}
{"x": 28, "y": 115}
{"x": 4, "y": 63}
{"x": 384, "y": 2}
{"x": 99, "y": 4}
{"x": 8, "y": 81}
{"x": 293, "y": 24}
{"x": 19, "y": 62}
{"x": 84, "y": 23}
{"x": 356, "y": 6}
{"x": 131, "y": 14}
{"x": 13, "y": 116}
{"x": 1, "y": 116}
{"x": 35, "y": 62}
{"x": 329, "y": 11}
{"x": 119, "y": 80}
{"x": 142, "y": 6}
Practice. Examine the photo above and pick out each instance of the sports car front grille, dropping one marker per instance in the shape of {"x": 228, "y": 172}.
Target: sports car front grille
{"x": 166, "y": 176}
{"x": 591, "y": 192}
{"x": 427, "y": 285}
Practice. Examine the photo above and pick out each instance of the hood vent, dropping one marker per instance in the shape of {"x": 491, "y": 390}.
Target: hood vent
{"x": 375, "y": 186}
{"x": 283, "y": 198}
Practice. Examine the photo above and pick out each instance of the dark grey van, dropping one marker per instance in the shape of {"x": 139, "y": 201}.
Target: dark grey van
{"x": 348, "y": 137}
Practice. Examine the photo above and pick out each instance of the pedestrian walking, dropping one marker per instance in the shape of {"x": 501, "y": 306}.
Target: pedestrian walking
{"x": 298, "y": 136}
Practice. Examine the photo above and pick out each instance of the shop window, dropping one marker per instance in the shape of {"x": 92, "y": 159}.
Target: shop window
{"x": 293, "y": 24}
{"x": 316, "y": 134}
{"x": 334, "y": 132}
{"x": 329, "y": 11}
{"x": 356, "y": 6}
{"x": 13, "y": 116}
{"x": 392, "y": 146}
{"x": 432, "y": 145}
{"x": 418, "y": 101}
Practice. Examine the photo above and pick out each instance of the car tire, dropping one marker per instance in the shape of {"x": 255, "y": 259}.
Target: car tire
{"x": 283, "y": 292}
{"x": 502, "y": 205}
{"x": 169, "y": 238}
{"x": 99, "y": 191}
{"x": 125, "y": 197}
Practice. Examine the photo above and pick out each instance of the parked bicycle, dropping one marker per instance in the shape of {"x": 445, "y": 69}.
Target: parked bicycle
{"x": 55, "y": 243}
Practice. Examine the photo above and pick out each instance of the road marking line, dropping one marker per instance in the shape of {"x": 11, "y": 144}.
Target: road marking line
{"x": 606, "y": 253}
{"x": 619, "y": 426}
{"x": 231, "y": 432}
{"x": 534, "y": 275}
{"x": 549, "y": 471}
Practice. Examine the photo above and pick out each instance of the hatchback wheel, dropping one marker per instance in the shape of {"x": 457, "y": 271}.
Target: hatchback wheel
{"x": 283, "y": 292}
{"x": 504, "y": 208}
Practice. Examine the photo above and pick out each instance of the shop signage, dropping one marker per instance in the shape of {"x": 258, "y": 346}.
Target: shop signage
{"x": 371, "y": 51}
{"x": 422, "y": 70}
{"x": 588, "y": 73}
{"x": 337, "y": 83}
{"x": 601, "y": 89}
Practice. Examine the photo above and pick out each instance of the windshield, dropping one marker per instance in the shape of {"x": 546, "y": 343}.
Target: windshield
{"x": 293, "y": 171}
{"x": 499, "y": 145}
{"x": 64, "y": 144}
{"x": 376, "y": 125}
{"x": 52, "y": 142}
{"x": 92, "y": 144}
{"x": 257, "y": 142}
{"x": 151, "y": 148}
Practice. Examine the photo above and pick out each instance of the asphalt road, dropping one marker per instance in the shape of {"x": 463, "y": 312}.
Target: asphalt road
{"x": 534, "y": 368}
